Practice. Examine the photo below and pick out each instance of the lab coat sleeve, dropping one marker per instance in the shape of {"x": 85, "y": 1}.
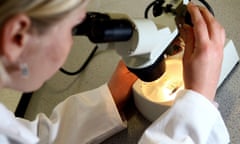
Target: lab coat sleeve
{"x": 88, "y": 117}
{"x": 191, "y": 120}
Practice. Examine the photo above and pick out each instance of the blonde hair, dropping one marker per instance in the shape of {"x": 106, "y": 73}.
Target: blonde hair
{"x": 43, "y": 13}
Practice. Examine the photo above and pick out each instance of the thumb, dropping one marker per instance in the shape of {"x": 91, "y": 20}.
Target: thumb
{"x": 186, "y": 32}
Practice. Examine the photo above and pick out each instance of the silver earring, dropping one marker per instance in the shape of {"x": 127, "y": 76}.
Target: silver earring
{"x": 24, "y": 70}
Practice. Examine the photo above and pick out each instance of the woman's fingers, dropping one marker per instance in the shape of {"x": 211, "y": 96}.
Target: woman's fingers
{"x": 199, "y": 25}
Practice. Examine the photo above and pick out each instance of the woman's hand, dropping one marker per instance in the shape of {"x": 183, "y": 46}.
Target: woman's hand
{"x": 120, "y": 85}
{"x": 202, "y": 60}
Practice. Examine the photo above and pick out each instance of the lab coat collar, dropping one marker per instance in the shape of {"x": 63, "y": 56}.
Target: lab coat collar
{"x": 12, "y": 129}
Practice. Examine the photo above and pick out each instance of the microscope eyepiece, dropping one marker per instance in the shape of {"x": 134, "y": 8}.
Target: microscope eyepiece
{"x": 100, "y": 28}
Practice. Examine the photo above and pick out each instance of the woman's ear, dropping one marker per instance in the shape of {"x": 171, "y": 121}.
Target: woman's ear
{"x": 14, "y": 35}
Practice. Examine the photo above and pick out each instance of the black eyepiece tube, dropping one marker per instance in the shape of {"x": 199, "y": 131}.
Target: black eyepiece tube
{"x": 100, "y": 28}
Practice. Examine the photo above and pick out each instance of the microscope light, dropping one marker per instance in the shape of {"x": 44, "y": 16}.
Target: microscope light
{"x": 153, "y": 98}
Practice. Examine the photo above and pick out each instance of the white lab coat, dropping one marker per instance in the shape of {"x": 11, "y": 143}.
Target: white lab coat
{"x": 92, "y": 116}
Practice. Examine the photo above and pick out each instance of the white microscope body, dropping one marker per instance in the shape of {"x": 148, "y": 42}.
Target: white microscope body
{"x": 149, "y": 41}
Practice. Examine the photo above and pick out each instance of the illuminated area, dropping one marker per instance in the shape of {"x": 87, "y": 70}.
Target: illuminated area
{"x": 154, "y": 98}
{"x": 164, "y": 89}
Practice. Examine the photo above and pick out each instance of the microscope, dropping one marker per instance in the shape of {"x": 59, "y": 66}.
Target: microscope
{"x": 142, "y": 43}
{"x": 148, "y": 48}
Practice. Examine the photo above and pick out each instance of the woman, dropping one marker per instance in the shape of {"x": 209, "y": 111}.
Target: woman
{"x": 35, "y": 39}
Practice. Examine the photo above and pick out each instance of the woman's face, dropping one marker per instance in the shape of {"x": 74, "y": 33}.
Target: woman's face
{"x": 46, "y": 53}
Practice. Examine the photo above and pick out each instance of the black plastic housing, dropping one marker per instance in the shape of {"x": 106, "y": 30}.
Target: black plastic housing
{"x": 152, "y": 72}
{"x": 100, "y": 28}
